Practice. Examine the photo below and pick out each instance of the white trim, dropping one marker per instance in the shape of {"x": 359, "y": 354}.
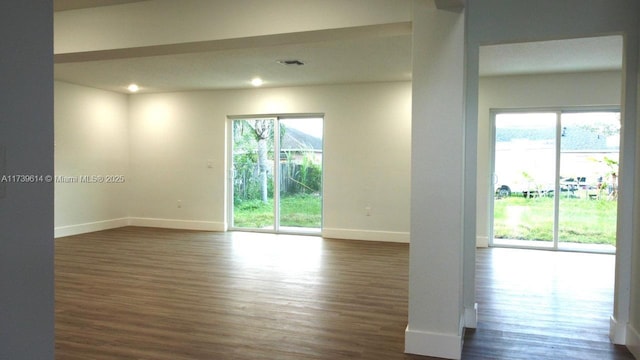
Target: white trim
{"x": 448, "y": 346}
{"x": 633, "y": 341}
{"x": 77, "y": 229}
{"x": 471, "y": 317}
{"x": 178, "y": 224}
{"x": 558, "y": 111}
{"x": 617, "y": 331}
{"x": 276, "y": 115}
{"x": 70, "y": 230}
{"x": 368, "y": 235}
{"x": 276, "y": 147}
{"x": 482, "y": 241}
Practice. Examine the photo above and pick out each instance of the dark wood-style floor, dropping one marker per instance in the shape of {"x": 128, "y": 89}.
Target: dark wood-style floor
{"x": 537, "y": 304}
{"x": 139, "y": 293}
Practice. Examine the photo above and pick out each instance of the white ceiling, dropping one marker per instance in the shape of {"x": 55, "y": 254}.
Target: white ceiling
{"x": 329, "y": 59}
{"x": 326, "y": 62}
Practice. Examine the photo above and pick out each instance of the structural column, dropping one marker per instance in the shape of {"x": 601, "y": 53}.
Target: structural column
{"x": 436, "y": 315}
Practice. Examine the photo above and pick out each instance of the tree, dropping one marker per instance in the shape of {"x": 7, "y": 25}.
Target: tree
{"x": 262, "y": 130}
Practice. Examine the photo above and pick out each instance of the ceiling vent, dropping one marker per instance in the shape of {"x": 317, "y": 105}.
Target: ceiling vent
{"x": 292, "y": 62}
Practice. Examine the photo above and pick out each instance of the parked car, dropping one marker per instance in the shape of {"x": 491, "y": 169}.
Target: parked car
{"x": 570, "y": 186}
{"x": 573, "y": 185}
{"x": 529, "y": 191}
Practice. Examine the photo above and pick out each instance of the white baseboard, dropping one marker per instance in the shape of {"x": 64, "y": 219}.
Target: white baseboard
{"x": 617, "y": 332}
{"x": 633, "y": 341}
{"x": 71, "y": 230}
{"x": 448, "y": 346}
{"x": 471, "y": 317}
{"x": 349, "y": 234}
{"x": 482, "y": 241}
{"x": 368, "y": 235}
{"x": 178, "y": 224}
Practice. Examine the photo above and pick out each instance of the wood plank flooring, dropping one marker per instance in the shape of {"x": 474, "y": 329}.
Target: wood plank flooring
{"x": 535, "y": 304}
{"x": 140, "y": 293}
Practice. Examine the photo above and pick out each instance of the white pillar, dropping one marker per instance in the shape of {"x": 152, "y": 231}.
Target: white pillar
{"x": 437, "y": 172}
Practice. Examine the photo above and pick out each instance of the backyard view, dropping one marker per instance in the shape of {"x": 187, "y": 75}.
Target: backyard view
{"x": 296, "y": 202}
{"x": 297, "y": 211}
{"x": 586, "y": 221}
{"x": 556, "y": 178}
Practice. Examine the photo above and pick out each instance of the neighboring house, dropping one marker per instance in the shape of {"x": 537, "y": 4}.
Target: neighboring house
{"x": 297, "y": 144}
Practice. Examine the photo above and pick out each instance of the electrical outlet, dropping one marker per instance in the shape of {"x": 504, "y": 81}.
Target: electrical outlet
{"x": 179, "y": 204}
{"x": 367, "y": 210}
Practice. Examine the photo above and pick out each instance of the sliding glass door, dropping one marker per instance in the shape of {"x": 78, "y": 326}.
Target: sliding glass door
{"x": 277, "y": 174}
{"x": 555, "y": 179}
{"x": 253, "y": 173}
{"x": 589, "y": 154}
{"x": 524, "y": 173}
{"x": 300, "y": 183}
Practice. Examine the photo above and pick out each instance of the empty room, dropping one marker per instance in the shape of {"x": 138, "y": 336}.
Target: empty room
{"x": 305, "y": 179}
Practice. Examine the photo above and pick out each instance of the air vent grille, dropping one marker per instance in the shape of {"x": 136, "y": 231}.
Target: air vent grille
{"x": 291, "y": 62}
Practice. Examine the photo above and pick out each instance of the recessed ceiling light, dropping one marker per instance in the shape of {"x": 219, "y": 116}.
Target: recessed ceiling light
{"x": 291, "y": 62}
{"x": 133, "y": 88}
{"x": 256, "y": 81}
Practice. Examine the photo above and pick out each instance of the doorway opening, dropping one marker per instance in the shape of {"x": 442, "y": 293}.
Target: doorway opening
{"x": 552, "y": 95}
{"x": 276, "y": 174}
{"x": 556, "y": 179}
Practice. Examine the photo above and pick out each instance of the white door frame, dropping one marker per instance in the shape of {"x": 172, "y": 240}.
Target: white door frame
{"x": 276, "y": 186}
{"x": 492, "y": 151}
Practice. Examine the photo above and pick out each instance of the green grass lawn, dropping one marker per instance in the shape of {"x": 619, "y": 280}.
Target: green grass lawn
{"x": 587, "y": 221}
{"x": 295, "y": 211}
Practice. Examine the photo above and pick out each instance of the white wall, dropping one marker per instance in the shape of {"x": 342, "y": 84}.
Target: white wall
{"x": 162, "y": 143}
{"x": 366, "y": 155}
{"x": 498, "y": 21}
{"x": 91, "y": 139}
{"x": 26, "y": 209}
{"x": 532, "y": 91}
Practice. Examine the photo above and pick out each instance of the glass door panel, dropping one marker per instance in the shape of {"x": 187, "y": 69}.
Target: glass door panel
{"x": 589, "y": 154}
{"x": 300, "y": 182}
{"x": 277, "y": 194}
{"x": 524, "y": 179}
{"x": 253, "y": 173}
